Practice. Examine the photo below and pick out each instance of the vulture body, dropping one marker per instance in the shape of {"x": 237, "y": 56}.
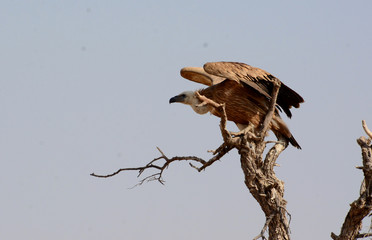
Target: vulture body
{"x": 245, "y": 91}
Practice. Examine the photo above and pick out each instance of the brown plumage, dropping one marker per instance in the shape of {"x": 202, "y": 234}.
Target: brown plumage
{"x": 246, "y": 92}
{"x": 215, "y": 72}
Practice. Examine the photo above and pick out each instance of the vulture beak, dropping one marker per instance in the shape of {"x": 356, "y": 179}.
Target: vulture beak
{"x": 179, "y": 98}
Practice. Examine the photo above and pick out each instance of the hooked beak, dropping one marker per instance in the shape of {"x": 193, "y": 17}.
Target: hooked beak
{"x": 178, "y": 98}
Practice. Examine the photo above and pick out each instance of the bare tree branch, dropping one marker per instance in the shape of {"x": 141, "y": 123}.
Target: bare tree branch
{"x": 258, "y": 170}
{"x": 227, "y": 145}
{"x": 218, "y": 156}
{"x": 361, "y": 207}
{"x": 167, "y": 161}
{"x": 262, "y": 233}
{"x": 221, "y": 109}
{"x": 368, "y": 132}
{"x": 364, "y": 235}
{"x": 270, "y": 113}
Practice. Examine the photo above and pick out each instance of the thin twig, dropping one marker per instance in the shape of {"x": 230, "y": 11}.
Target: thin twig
{"x": 268, "y": 220}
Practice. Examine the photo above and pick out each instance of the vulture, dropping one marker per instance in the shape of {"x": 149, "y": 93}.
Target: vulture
{"x": 246, "y": 92}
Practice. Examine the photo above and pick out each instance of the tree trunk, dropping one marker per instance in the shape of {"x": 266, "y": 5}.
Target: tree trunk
{"x": 265, "y": 187}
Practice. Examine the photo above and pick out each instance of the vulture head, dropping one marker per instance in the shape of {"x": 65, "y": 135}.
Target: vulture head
{"x": 189, "y": 98}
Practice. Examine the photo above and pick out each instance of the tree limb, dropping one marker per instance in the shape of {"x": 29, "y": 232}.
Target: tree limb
{"x": 364, "y": 235}
{"x": 221, "y": 109}
{"x": 270, "y": 113}
{"x": 262, "y": 233}
{"x": 361, "y": 207}
{"x": 167, "y": 161}
{"x": 368, "y": 132}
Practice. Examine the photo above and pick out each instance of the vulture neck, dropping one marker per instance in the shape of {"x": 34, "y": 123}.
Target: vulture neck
{"x": 195, "y": 103}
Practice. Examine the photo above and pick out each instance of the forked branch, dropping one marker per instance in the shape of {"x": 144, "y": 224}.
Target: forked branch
{"x": 160, "y": 168}
{"x": 225, "y": 147}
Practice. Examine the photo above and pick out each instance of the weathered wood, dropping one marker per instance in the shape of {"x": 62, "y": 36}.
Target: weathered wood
{"x": 361, "y": 207}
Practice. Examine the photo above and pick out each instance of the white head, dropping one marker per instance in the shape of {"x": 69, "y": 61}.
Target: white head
{"x": 189, "y": 98}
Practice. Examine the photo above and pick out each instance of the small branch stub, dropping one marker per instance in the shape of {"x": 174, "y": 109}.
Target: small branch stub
{"x": 367, "y": 131}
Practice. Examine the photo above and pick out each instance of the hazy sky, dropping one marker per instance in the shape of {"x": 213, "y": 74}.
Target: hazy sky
{"x": 84, "y": 87}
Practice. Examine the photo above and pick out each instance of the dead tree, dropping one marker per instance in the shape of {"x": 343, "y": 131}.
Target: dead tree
{"x": 361, "y": 207}
{"x": 258, "y": 169}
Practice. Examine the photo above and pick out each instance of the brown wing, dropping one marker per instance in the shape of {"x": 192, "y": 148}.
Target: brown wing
{"x": 239, "y": 72}
{"x": 197, "y": 74}
{"x": 258, "y": 79}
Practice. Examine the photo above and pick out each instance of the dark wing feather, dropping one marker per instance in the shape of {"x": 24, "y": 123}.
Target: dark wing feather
{"x": 258, "y": 79}
{"x": 288, "y": 98}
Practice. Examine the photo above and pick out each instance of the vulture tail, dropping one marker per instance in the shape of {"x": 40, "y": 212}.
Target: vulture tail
{"x": 282, "y": 132}
{"x": 293, "y": 141}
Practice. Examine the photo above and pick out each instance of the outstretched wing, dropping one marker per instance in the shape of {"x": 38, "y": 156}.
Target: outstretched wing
{"x": 197, "y": 74}
{"x": 256, "y": 78}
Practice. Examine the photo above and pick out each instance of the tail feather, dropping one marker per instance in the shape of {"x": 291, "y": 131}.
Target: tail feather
{"x": 282, "y": 132}
{"x": 287, "y": 140}
{"x": 293, "y": 141}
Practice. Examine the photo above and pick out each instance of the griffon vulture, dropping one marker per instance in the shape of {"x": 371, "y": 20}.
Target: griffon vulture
{"x": 246, "y": 92}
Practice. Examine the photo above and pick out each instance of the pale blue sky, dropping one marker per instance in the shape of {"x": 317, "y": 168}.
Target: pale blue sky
{"x": 84, "y": 87}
